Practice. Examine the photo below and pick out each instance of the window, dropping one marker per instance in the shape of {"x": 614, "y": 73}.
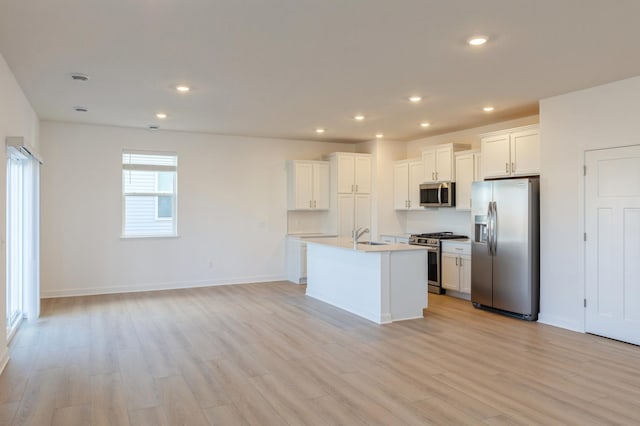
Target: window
{"x": 149, "y": 183}
{"x": 22, "y": 227}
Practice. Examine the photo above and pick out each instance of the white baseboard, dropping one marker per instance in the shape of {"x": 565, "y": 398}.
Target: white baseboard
{"x": 4, "y": 358}
{"x": 560, "y": 322}
{"x": 92, "y": 291}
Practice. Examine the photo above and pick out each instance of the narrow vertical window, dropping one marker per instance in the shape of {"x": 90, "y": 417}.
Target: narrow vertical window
{"x": 149, "y": 183}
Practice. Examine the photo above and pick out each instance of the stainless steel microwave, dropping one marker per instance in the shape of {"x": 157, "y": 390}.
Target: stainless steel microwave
{"x": 442, "y": 194}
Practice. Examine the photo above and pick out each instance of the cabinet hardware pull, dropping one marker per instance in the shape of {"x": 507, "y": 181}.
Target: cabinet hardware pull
{"x": 456, "y": 261}
{"x": 506, "y": 167}
{"x": 409, "y": 203}
{"x": 436, "y": 175}
{"x": 433, "y": 176}
{"x": 460, "y": 261}
{"x": 513, "y": 167}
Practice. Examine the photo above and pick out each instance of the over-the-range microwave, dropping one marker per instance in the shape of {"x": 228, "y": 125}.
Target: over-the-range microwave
{"x": 442, "y": 194}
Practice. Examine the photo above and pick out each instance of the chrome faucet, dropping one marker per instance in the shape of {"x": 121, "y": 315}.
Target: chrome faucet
{"x": 357, "y": 233}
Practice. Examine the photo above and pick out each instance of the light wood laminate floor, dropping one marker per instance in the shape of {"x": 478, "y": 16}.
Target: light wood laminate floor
{"x": 264, "y": 354}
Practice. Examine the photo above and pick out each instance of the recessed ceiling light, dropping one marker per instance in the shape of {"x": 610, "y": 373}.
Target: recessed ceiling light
{"x": 161, "y": 115}
{"x": 79, "y": 77}
{"x": 358, "y": 117}
{"x": 425, "y": 124}
{"x": 415, "y": 98}
{"x": 477, "y": 40}
{"x": 182, "y": 88}
{"x": 320, "y": 130}
{"x": 379, "y": 135}
{"x": 488, "y": 109}
{"x": 80, "y": 109}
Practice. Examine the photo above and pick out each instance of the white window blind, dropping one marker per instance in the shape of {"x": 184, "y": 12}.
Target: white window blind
{"x": 149, "y": 192}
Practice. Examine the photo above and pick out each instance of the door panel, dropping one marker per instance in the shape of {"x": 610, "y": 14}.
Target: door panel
{"x": 450, "y": 274}
{"x": 444, "y": 164}
{"x": 612, "y": 249}
{"x": 321, "y": 189}
{"x": 363, "y": 175}
{"x": 303, "y": 185}
{"x": 429, "y": 164}
{"x": 525, "y": 153}
{"x": 512, "y": 259}
{"x": 346, "y": 209}
{"x": 362, "y": 211}
{"x": 495, "y": 156}
{"x": 416, "y": 174}
{"x": 482, "y": 266}
{"x": 401, "y": 186}
{"x": 346, "y": 174}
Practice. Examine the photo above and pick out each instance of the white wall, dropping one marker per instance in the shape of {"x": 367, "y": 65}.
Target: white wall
{"x": 600, "y": 117}
{"x": 17, "y": 118}
{"x": 232, "y": 216}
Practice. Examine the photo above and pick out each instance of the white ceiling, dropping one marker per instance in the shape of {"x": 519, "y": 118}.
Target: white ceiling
{"x": 281, "y": 68}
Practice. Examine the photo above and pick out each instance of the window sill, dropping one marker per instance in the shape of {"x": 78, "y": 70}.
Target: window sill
{"x": 138, "y": 237}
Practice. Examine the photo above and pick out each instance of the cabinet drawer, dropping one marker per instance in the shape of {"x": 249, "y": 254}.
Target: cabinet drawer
{"x": 457, "y": 247}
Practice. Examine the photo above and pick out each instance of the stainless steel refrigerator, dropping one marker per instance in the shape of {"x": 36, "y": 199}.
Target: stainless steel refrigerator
{"x": 505, "y": 265}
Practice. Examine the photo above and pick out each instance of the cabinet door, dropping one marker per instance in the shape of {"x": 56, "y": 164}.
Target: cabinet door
{"x": 429, "y": 164}
{"x": 362, "y": 177}
{"x": 495, "y": 156}
{"x": 450, "y": 274}
{"x": 401, "y": 186}
{"x": 321, "y": 188}
{"x": 346, "y": 170}
{"x": 362, "y": 211}
{"x": 477, "y": 167}
{"x": 464, "y": 177}
{"x": 303, "y": 183}
{"x": 444, "y": 164}
{"x": 465, "y": 274}
{"x": 525, "y": 153}
{"x": 416, "y": 176}
{"x": 346, "y": 208}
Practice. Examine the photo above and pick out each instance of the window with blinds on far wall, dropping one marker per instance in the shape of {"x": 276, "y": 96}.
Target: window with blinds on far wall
{"x": 149, "y": 194}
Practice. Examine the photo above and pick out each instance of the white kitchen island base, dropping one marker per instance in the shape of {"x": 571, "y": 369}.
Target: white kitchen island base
{"x": 380, "y": 283}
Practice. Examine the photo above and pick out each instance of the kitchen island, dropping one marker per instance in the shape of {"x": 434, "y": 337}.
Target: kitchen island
{"x": 382, "y": 283}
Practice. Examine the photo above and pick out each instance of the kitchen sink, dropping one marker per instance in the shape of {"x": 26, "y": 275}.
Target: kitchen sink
{"x": 372, "y": 243}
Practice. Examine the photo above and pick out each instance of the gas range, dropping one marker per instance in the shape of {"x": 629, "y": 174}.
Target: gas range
{"x": 433, "y": 239}
{"x": 432, "y": 243}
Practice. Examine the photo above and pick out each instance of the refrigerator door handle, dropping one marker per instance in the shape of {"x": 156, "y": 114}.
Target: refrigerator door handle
{"x": 494, "y": 227}
{"x": 489, "y": 225}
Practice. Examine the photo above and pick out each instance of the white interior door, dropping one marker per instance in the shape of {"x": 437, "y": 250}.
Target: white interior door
{"x": 612, "y": 223}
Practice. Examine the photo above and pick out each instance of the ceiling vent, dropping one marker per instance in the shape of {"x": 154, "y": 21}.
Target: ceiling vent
{"x": 80, "y": 109}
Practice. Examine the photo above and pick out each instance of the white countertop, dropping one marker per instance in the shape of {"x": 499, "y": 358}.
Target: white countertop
{"x": 347, "y": 243}
{"x": 311, "y": 235}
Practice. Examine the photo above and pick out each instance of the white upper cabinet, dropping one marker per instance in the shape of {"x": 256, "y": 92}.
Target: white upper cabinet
{"x": 467, "y": 171}
{"x": 438, "y": 162}
{"x": 308, "y": 185}
{"x": 407, "y": 176}
{"x": 354, "y": 173}
{"x": 525, "y": 152}
{"x": 514, "y": 152}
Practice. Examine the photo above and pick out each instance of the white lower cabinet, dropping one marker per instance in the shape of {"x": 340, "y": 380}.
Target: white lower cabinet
{"x": 456, "y": 266}
{"x": 296, "y": 260}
